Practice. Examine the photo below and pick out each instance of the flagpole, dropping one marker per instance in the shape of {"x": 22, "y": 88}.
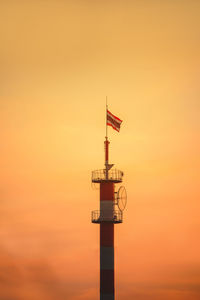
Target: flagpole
{"x": 106, "y": 118}
{"x": 106, "y": 142}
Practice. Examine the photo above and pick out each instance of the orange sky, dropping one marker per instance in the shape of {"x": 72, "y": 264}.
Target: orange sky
{"x": 58, "y": 61}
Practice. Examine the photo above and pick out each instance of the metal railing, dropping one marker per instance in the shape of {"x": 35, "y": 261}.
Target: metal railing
{"x": 114, "y": 175}
{"x": 113, "y": 216}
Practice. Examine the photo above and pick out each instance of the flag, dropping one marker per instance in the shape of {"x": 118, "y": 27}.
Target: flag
{"x": 113, "y": 121}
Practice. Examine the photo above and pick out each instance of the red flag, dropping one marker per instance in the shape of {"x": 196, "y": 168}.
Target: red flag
{"x": 113, "y": 121}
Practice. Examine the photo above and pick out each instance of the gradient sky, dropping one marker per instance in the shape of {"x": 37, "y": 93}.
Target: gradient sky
{"x": 58, "y": 61}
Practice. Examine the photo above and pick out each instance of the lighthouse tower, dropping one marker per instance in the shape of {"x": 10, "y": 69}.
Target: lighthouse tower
{"x": 110, "y": 213}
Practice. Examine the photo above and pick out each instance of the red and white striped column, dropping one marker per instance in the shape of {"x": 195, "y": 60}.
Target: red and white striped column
{"x": 107, "y": 290}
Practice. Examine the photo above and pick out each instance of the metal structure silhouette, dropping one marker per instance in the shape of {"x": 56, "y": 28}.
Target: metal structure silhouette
{"x": 110, "y": 213}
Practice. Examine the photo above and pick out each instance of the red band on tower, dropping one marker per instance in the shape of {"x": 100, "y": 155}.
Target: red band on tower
{"x": 106, "y": 149}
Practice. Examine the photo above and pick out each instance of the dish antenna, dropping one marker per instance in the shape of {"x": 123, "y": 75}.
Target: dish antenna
{"x": 121, "y": 198}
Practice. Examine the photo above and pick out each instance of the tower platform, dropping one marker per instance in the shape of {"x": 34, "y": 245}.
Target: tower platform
{"x": 114, "y": 217}
{"x": 114, "y": 176}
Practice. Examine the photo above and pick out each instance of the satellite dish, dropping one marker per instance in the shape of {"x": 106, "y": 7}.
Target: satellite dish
{"x": 121, "y": 198}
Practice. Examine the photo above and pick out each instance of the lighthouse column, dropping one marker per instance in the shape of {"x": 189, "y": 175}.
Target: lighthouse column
{"x": 107, "y": 216}
{"x": 106, "y": 241}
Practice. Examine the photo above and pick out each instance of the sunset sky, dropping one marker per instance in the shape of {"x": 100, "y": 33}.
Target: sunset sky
{"x": 58, "y": 62}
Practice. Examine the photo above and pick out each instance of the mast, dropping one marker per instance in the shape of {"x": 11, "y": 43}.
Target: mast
{"x": 106, "y": 143}
{"x": 107, "y": 216}
{"x": 106, "y": 118}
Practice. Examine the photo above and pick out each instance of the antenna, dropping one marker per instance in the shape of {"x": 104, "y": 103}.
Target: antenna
{"x": 106, "y": 143}
{"x": 106, "y": 118}
{"x": 121, "y": 198}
